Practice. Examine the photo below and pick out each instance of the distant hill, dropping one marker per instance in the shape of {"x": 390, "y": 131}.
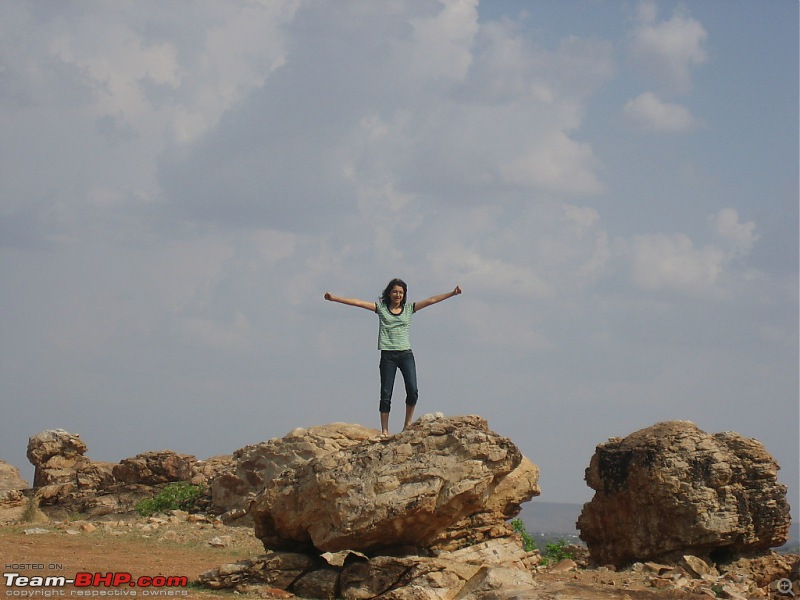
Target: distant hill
{"x": 551, "y": 517}
{"x": 793, "y": 545}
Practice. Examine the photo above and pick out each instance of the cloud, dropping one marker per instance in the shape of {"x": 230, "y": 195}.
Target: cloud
{"x": 429, "y": 113}
{"x": 671, "y": 261}
{"x": 522, "y": 253}
{"x": 440, "y": 46}
{"x": 668, "y": 51}
{"x": 558, "y": 164}
{"x": 180, "y": 188}
{"x": 661, "y": 261}
{"x": 741, "y": 235}
{"x": 649, "y": 112}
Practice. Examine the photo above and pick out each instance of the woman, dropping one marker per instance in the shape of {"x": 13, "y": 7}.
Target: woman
{"x": 394, "y": 320}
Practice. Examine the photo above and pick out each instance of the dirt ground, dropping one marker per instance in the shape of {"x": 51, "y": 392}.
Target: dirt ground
{"x": 175, "y": 547}
{"x": 138, "y": 547}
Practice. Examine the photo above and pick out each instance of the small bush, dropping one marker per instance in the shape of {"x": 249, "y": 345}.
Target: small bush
{"x": 556, "y": 552}
{"x": 528, "y": 543}
{"x": 31, "y": 509}
{"x": 181, "y": 495}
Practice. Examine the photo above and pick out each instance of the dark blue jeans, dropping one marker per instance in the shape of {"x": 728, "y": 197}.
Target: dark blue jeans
{"x": 391, "y": 360}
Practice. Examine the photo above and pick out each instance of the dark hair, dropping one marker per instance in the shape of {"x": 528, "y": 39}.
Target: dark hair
{"x": 385, "y": 296}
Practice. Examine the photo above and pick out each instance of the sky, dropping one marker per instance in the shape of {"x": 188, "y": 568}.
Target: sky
{"x": 612, "y": 183}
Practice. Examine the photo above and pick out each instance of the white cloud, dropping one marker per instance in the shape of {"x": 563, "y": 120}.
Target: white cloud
{"x": 180, "y": 188}
{"x": 245, "y": 46}
{"x": 533, "y": 253}
{"x": 672, "y": 262}
{"x": 649, "y": 112}
{"x": 441, "y": 43}
{"x": 557, "y": 164}
{"x": 662, "y": 261}
{"x": 116, "y": 76}
{"x": 668, "y": 51}
{"x": 741, "y": 235}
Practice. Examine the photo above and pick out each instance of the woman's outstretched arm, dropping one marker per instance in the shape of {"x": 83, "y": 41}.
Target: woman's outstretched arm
{"x": 434, "y": 299}
{"x": 351, "y": 301}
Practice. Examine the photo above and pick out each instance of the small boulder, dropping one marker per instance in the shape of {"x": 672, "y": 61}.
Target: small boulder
{"x": 153, "y": 468}
{"x": 12, "y": 485}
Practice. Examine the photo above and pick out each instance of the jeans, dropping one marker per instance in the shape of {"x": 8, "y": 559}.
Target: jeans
{"x": 391, "y": 360}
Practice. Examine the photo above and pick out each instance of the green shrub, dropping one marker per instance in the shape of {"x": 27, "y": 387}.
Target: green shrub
{"x": 528, "y": 543}
{"x": 556, "y": 552}
{"x": 181, "y": 495}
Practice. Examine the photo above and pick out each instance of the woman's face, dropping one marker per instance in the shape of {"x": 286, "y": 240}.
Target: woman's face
{"x": 396, "y": 295}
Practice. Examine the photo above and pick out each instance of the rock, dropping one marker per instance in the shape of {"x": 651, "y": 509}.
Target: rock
{"x": 763, "y": 570}
{"x": 275, "y": 569}
{"x": 397, "y": 578}
{"x": 12, "y": 486}
{"x": 152, "y": 468}
{"x": 205, "y": 471}
{"x": 507, "y": 552}
{"x": 57, "y": 456}
{"x": 95, "y": 476}
{"x": 322, "y": 584}
{"x": 67, "y": 481}
{"x": 54, "y": 442}
{"x": 564, "y": 565}
{"x": 697, "y": 567}
{"x": 220, "y": 541}
{"x": 384, "y": 577}
{"x": 492, "y": 520}
{"x": 402, "y": 490}
{"x": 255, "y": 465}
{"x": 499, "y": 583}
{"x": 672, "y": 490}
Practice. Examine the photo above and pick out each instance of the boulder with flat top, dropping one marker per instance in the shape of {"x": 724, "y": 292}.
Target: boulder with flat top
{"x": 445, "y": 480}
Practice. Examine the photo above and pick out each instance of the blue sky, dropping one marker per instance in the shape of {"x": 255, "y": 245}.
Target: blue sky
{"x": 613, "y": 184}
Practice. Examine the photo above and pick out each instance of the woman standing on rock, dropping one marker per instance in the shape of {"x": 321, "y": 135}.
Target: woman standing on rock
{"x": 394, "y": 320}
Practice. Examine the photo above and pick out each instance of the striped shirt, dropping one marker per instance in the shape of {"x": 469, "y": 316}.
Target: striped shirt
{"x": 393, "y": 329}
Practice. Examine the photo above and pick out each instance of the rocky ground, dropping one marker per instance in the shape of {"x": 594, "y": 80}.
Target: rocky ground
{"x": 441, "y": 492}
{"x": 188, "y": 545}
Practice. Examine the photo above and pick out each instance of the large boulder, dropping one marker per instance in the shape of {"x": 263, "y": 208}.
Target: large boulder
{"x": 406, "y": 489}
{"x": 56, "y": 455}
{"x": 672, "y": 489}
{"x": 255, "y": 465}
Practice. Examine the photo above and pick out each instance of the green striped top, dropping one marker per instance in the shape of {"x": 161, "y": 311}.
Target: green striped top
{"x": 393, "y": 329}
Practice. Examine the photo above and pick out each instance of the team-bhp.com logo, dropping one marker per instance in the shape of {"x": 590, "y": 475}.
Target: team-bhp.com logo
{"x": 94, "y": 584}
